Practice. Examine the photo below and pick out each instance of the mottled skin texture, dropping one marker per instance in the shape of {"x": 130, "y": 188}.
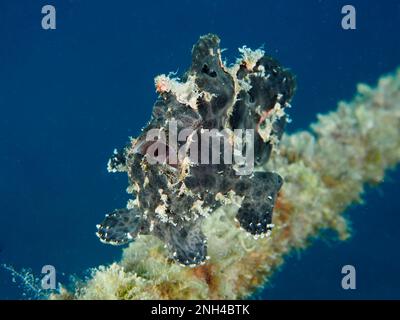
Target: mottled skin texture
{"x": 188, "y": 193}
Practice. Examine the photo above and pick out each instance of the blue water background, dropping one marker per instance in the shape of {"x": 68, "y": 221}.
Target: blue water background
{"x": 69, "y": 96}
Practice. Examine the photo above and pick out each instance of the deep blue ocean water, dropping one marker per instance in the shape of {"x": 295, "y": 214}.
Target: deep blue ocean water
{"x": 69, "y": 96}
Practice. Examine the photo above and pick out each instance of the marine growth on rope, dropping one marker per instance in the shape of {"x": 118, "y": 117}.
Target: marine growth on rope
{"x": 173, "y": 191}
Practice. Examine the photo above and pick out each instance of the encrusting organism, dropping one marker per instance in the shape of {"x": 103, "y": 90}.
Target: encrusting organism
{"x": 324, "y": 171}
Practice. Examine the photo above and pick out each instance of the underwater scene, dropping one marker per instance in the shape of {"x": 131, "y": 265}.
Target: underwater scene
{"x": 199, "y": 150}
